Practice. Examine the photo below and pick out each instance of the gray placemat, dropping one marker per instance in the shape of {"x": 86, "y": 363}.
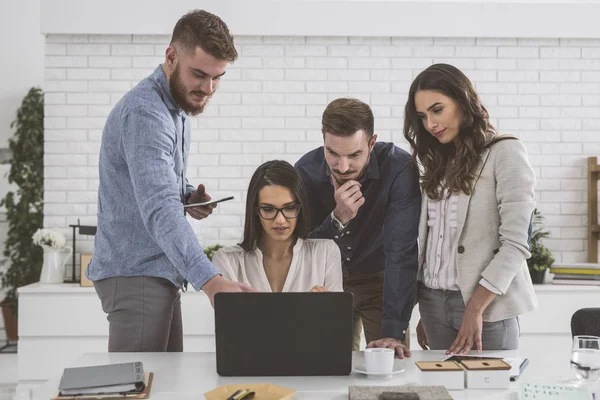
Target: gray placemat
{"x": 373, "y": 392}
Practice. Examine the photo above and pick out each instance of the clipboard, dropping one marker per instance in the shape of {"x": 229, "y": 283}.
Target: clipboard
{"x": 144, "y": 394}
{"x": 518, "y": 365}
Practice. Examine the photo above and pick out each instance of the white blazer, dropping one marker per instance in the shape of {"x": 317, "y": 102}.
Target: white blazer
{"x": 493, "y": 230}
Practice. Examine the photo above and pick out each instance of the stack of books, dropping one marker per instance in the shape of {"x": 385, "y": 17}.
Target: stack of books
{"x": 126, "y": 380}
{"x": 576, "y": 274}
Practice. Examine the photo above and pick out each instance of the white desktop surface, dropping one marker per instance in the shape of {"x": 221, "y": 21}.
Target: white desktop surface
{"x": 189, "y": 375}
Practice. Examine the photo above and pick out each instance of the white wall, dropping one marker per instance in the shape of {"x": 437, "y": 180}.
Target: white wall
{"x": 407, "y": 18}
{"x": 23, "y": 57}
{"x": 22, "y": 67}
{"x": 546, "y": 91}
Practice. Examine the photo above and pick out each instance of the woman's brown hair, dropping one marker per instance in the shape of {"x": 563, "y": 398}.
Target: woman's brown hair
{"x": 450, "y": 166}
{"x": 280, "y": 173}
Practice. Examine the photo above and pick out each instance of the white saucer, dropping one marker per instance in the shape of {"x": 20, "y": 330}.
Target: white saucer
{"x": 361, "y": 369}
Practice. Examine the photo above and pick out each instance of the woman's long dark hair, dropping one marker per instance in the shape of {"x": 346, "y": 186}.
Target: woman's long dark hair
{"x": 444, "y": 164}
{"x": 279, "y": 173}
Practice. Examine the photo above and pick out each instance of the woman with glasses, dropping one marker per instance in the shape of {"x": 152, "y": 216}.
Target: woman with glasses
{"x": 275, "y": 255}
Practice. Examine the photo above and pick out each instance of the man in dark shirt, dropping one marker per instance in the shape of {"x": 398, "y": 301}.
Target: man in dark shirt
{"x": 365, "y": 196}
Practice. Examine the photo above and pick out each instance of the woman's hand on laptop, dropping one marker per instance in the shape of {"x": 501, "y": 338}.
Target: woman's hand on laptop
{"x": 391, "y": 343}
{"x": 218, "y": 284}
{"x": 318, "y": 288}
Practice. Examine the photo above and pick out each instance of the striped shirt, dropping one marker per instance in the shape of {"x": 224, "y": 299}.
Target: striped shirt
{"x": 439, "y": 268}
{"x": 440, "y": 259}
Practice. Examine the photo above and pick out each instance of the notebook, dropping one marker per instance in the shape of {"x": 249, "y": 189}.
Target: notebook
{"x": 143, "y": 394}
{"x": 112, "y": 378}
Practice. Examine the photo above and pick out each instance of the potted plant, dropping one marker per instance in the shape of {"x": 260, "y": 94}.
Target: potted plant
{"x": 541, "y": 259}
{"x": 24, "y": 207}
{"x": 211, "y": 250}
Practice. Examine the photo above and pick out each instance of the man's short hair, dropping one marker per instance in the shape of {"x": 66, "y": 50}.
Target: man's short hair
{"x": 346, "y": 116}
{"x": 199, "y": 28}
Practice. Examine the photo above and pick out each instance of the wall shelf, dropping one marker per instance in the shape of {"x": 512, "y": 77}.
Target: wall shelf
{"x": 593, "y": 226}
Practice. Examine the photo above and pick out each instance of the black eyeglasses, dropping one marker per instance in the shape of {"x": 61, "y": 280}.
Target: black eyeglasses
{"x": 289, "y": 212}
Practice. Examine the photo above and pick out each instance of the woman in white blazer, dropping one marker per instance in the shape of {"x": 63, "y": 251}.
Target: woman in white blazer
{"x": 275, "y": 255}
{"x": 478, "y": 200}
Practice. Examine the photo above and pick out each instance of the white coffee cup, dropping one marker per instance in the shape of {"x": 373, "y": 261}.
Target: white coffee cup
{"x": 379, "y": 360}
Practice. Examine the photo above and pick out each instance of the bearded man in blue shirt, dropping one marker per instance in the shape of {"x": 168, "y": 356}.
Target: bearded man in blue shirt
{"x": 145, "y": 249}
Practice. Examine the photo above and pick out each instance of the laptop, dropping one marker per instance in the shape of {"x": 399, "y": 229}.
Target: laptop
{"x": 283, "y": 334}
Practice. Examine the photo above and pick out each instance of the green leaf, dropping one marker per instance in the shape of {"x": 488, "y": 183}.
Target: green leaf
{"x": 24, "y": 206}
{"x": 541, "y": 258}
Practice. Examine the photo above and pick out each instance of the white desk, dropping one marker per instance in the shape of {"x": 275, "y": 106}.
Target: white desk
{"x": 186, "y": 376}
{"x": 59, "y": 323}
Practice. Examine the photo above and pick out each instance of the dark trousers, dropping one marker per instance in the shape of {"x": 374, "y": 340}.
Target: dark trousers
{"x": 368, "y": 305}
{"x": 144, "y": 314}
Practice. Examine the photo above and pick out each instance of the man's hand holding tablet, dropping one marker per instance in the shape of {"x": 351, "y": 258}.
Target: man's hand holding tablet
{"x": 208, "y": 203}
{"x": 200, "y": 205}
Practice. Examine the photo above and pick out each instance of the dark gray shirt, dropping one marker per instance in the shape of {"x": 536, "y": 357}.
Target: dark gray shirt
{"x": 142, "y": 229}
{"x": 383, "y": 236}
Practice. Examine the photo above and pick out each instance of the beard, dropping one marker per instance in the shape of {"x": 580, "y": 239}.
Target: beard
{"x": 180, "y": 95}
{"x": 343, "y": 178}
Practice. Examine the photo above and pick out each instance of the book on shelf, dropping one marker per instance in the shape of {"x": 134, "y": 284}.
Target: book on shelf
{"x": 577, "y": 265}
{"x": 577, "y": 277}
{"x": 590, "y": 282}
{"x": 575, "y": 271}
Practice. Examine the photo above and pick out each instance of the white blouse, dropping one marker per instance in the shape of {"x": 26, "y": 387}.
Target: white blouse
{"x": 439, "y": 268}
{"x": 314, "y": 262}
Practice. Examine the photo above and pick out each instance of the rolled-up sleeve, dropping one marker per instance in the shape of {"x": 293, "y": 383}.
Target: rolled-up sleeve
{"x": 148, "y": 144}
{"x": 400, "y": 232}
{"x": 515, "y": 181}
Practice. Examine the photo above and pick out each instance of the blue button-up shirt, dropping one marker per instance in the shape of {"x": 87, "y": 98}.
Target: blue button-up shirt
{"x": 142, "y": 228}
{"x": 383, "y": 235}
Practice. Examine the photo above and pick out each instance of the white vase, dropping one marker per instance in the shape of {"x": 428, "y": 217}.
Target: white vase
{"x": 53, "y": 269}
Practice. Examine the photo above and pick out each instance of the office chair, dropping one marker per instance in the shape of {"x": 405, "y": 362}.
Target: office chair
{"x": 586, "y": 321}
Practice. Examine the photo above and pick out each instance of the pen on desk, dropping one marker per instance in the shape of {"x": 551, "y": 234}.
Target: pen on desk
{"x": 233, "y": 396}
{"x": 249, "y": 395}
{"x": 244, "y": 394}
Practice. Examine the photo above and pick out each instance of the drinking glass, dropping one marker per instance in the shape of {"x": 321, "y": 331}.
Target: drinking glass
{"x": 585, "y": 357}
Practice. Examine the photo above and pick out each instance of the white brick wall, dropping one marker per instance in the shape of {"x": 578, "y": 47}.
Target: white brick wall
{"x": 546, "y": 91}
